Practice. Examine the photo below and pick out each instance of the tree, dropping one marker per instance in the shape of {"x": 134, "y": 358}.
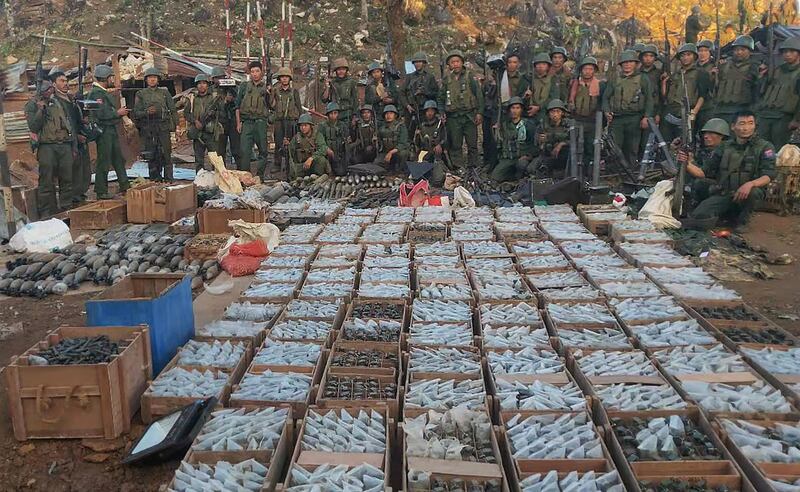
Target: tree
{"x": 395, "y": 11}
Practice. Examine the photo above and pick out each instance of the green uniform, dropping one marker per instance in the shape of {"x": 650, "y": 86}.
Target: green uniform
{"x": 155, "y": 129}
{"x": 462, "y": 99}
{"x": 780, "y": 105}
{"x": 518, "y": 147}
{"x": 344, "y": 92}
{"x": 227, "y": 117}
{"x": 335, "y": 134}
{"x": 653, "y": 74}
{"x": 429, "y": 135}
{"x": 419, "y": 86}
{"x": 693, "y": 27}
{"x": 364, "y": 141}
{"x": 731, "y": 165}
{"x": 109, "y": 152}
{"x": 57, "y": 141}
{"x": 562, "y": 78}
{"x": 709, "y": 104}
{"x": 698, "y": 84}
{"x": 371, "y": 97}
{"x": 204, "y": 109}
{"x": 518, "y": 83}
{"x": 286, "y": 108}
{"x": 629, "y": 98}
{"x": 392, "y": 136}
{"x": 584, "y": 108}
{"x": 81, "y": 166}
{"x": 736, "y": 88}
{"x": 253, "y": 105}
{"x": 543, "y": 90}
{"x": 304, "y": 146}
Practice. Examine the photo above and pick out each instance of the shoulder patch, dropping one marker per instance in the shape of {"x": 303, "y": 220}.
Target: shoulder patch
{"x": 769, "y": 154}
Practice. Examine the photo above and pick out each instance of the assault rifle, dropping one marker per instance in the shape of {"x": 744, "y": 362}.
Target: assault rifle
{"x": 687, "y": 143}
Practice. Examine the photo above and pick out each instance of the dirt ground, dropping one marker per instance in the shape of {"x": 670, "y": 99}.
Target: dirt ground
{"x": 57, "y": 466}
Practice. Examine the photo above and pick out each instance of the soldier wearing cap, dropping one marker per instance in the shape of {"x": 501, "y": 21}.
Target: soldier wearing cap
{"x": 737, "y": 80}
{"x": 51, "y": 128}
{"x": 155, "y": 116}
{"x": 714, "y": 132}
{"x": 779, "y": 108}
{"x": 226, "y": 99}
{"x": 461, "y": 98}
{"x": 201, "y": 113}
{"x": 560, "y": 72}
{"x": 627, "y": 102}
{"x": 335, "y": 132}
{"x": 392, "y": 141}
{"x": 585, "y": 100}
{"x": 342, "y": 89}
{"x": 81, "y": 169}
{"x": 364, "y": 137}
{"x": 419, "y": 86}
{"x": 284, "y": 101}
{"x": 431, "y": 137}
{"x": 381, "y": 91}
{"x": 517, "y": 141}
{"x": 107, "y": 116}
{"x": 252, "y": 118}
{"x": 307, "y": 150}
{"x": 687, "y": 80}
{"x": 552, "y": 137}
{"x": 542, "y": 88}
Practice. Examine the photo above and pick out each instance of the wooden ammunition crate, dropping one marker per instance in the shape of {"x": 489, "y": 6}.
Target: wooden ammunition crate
{"x": 204, "y": 246}
{"x": 101, "y": 214}
{"x": 215, "y": 220}
{"x": 157, "y": 202}
{"x": 76, "y": 401}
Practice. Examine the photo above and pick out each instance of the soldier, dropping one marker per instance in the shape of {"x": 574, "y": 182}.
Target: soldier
{"x": 552, "y": 137}
{"x": 638, "y": 48}
{"x": 81, "y": 171}
{"x": 513, "y": 82}
{"x": 492, "y": 114}
{"x": 252, "y": 118}
{"x": 155, "y": 116}
{"x": 377, "y": 93}
{"x": 585, "y": 98}
{"x": 561, "y": 73}
{"x": 737, "y": 80}
{"x": 543, "y": 88}
{"x": 705, "y": 58}
{"x": 779, "y": 108}
{"x": 202, "y": 120}
{"x": 307, "y": 150}
{"x": 335, "y": 131}
{"x": 48, "y": 117}
{"x": 392, "y": 141}
{"x": 107, "y": 117}
{"x": 419, "y": 87}
{"x": 364, "y": 137}
{"x": 518, "y": 142}
{"x": 741, "y": 168}
{"x": 707, "y": 63}
{"x": 627, "y": 102}
{"x": 431, "y": 137}
{"x": 713, "y": 133}
{"x": 342, "y": 90}
{"x": 462, "y": 99}
{"x": 650, "y": 69}
{"x": 695, "y": 25}
{"x": 226, "y": 100}
{"x": 689, "y": 81}
{"x": 285, "y": 104}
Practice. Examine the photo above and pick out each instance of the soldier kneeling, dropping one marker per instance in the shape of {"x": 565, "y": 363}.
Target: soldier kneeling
{"x": 518, "y": 144}
{"x": 307, "y": 150}
{"x": 430, "y": 137}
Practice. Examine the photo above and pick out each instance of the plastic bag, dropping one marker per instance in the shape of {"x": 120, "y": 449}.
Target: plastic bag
{"x": 243, "y": 253}
{"x": 238, "y": 265}
{"x": 205, "y": 179}
{"x": 226, "y": 180}
{"x": 462, "y": 198}
{"x": 415, "y": 195}
{"x": 658, "y": 208}
{"x": 41, "y": 237}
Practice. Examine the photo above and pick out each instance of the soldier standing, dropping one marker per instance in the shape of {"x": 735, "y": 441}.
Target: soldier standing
{"x": 107, "y": 117}
{"x": 252, "y": 118}
{"x": 392, "y": 141}
{"x": 779, "y": 108}
{"x": 707, "y": 63}
{"x": 155, "y": 116}
{"x": 307, "y": 150}
{"x": 462, "y": 99}
{"x": 688, "y": 81}
{"x": 364, "y": 146}
{"x": 560, "y": 72}
{"x": 737, "y": 80}
{"x": 343, "y": 90}
{"x": 285, "y": 104}
{"x": 431, "y": 137}
{"x": 513, "y": 82}
{"x": 650, "y": 69}
{"x": 585, "y": 98}
{"x": 203, "y": 127}
{"x": 627, "y": 102}
{"x": 695, "y": 25}
{"x": 377, "y": 93}
{"x": 334, "y": 131}
{"x": 226, "y": 97}
{"x": 543, "y": 88}
{"x": 419, "y": 86}
{"x": 705, "y": 58}
{"x": 518, "y": 142}
{"x": 81, "y": 170}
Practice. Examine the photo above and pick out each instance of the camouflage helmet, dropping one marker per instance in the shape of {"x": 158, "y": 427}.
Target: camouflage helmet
{"x": 419, "y": 56}
{"x": 542, "y": 58}
{"x": 745, "y": 41}
{"x": 217, "y": 72}
{"x": 390, "y": 108}
{"x": 558, "y": 50}
{"x": 687, "y": 48}
{"x": 557, "y": 104}
{"x": 706, "y": 43}
{"x": 627, "y": 56}
{"x": 430, "y": 104}
{"x": 588, "y": 60}
{"x": 515, "y": 100}
{"x": 331, "y": 107}
{"x": 152, "y": 71}
{"x": 453, "y": 53}
{"x": 102, "y": 72}
{"x": 340, "y": 63}
{"x": 55, "y": 72}
{"x": 366, "y": 107}
{"x": 374, "y": 66}
{"x": 284, "y": 72}
{"x": 201, "y": 77}
{"x": 306, "y": 119}
{"x": 790, "y": 44}
{"x": 717, "y": 125}
{"x": 649, "y": 48}
{"x": 638, "y": 47}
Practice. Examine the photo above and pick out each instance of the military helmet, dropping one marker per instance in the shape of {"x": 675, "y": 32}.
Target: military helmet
{"x": 152, "y": 71}
{"x": 515, "y": 100}
{"x": 628, "y": 56}
{"x": 638, "y": 47}
{"x": 217, "y": 72}
{"x": 374, "y": 66}
{"x": 696, "y": 9}
{"x": 46, "y": 84}
{"x": 588, "y": 60}
{"x": 542, "y": 58}
{"x": 340, "y": 63}
{"x": 649, "y": 48}
{"x": 331, "y": 107}
{"x": 390, "y": 108}
{"x": 430, "y": 104}
{"x": 419, "y": 56}
{"x": 102, "y": 72}
{"x": 790, "y": 44}
{"x": 201, "y": 77}
{"x": 55, "y": 72}
{"x": 453, "y": 53}
{"x": 558, "y": 49}
{"x": 366, "y": 107}
{"x": 557, "y": 104}
{"x": 745, "y": 41}
{"x": 284, "y": 72}
{"x": 717, "y": 125}
{"x": 687, "y": 48}
{"x": 305, "y": 118}
{"x": 706, "y": 43}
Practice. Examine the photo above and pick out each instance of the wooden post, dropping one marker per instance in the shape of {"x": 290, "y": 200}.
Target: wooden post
{"x": 5, "y": 172}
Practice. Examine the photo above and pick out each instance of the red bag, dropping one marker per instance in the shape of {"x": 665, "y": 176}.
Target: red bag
{"x": 415, "y": 195}
{"x": 245, "y": 258}
{"x": 253, "y": 248}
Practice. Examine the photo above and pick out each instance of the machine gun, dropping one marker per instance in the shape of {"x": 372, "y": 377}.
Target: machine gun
{"x": 687, "y": 143}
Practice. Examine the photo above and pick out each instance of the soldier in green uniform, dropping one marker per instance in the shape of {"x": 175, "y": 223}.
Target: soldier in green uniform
{"x": 48, "y": 117}
{"x": 627, "y": 102}
{"x": 431, "y": 137}
{"x": 561, "y": 73}
{"x": 343, "y": 90}
{"x": 462, "y": 99}
{"x": 552, "y": 138}
{"x": 713, "y": 133}
{"x": 107, "y": 117}
{"x": 252, "y": 118}
{"x": 226, "y": 100}
{"x": 737, "y": 80}
{"x": 419, "y": 86}
{"x": 364, "y": 137}
{"x": 307, "y": 150}
{"x": 335, "y": 132}
{"x": 741, "y": 167}
{"x": 543, "y": 87}
{"x": 517, "y": 140}
{"x": 513, "y": 82}
{"x": 202, "y": 120}
{"x": 779, "y": 109}
{"x": 695, "y": 25}
{"x": 585, "y": 100}
{"x": 707, "y": 63}
{"x": 650, "y": 69}
{"x": 392, "y": 141}
{"x": 155, "y": 116}
{"x": 686, "y": 80}
{"x": 81, "y": 171}
{"x": 380, "y": 91}
{"x": 286, "y": 107}
{"x": 705, "y": 55}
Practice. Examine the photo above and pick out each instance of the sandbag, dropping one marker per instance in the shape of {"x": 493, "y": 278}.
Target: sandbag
{"x": 658, "y": 208}
{"x": 41, "y": 237}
